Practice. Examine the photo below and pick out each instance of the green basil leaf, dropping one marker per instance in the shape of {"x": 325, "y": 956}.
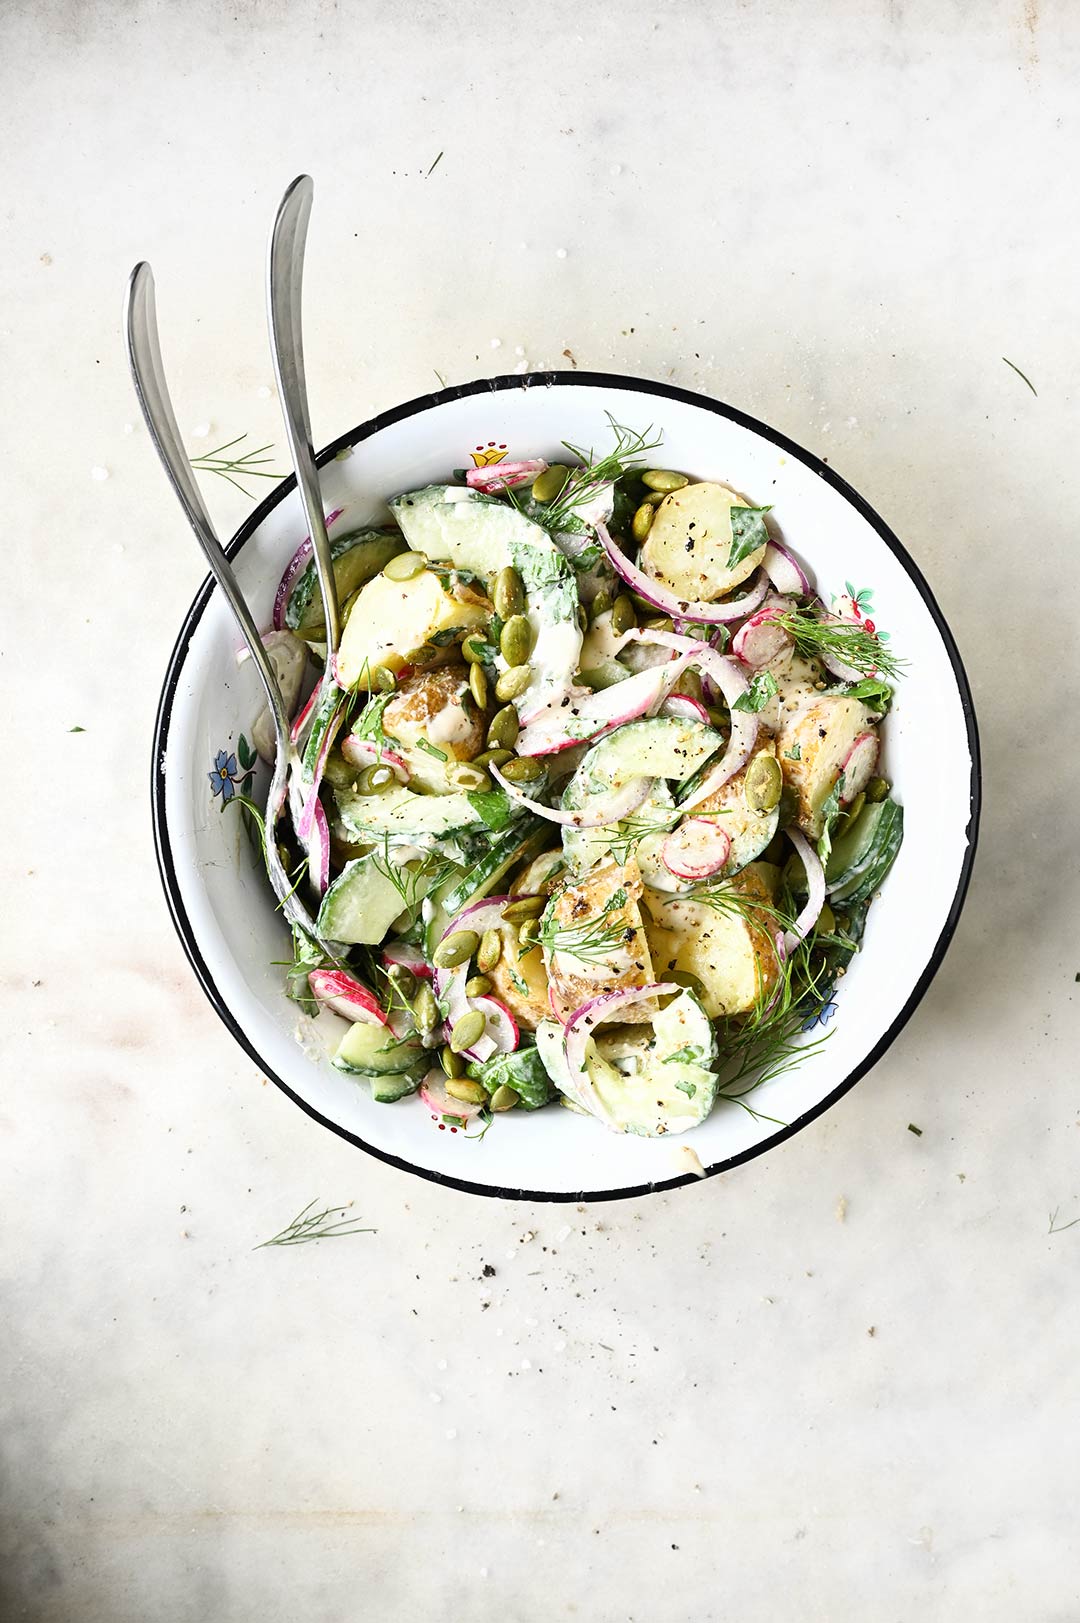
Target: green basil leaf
{"x": 748, "y": 533}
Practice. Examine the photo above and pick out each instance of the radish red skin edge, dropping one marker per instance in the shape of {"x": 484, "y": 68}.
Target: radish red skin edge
{"x": 697, "y": 849}
{"x": 859, "y": 764}
{"x": 346, "y": 996}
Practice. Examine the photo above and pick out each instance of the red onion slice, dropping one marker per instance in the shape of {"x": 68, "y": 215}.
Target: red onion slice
{"x": 292, "y": 569}
{"x": 362, "y": 752}
{"x": 604, "y": 809}
{"x": 502, "y": 475}
{"x": 307, "y": 814}
{"x": 684, "y": 708}
{"x": 346, "y": 996}
{"x": 732, "y": 683}
{"x": 680, "y": 608}
{"x": 305, "y": 713}
{"x": 815, "y": 879}
{"x": 582, "y": 1024}
{"x": 785, "y": 571}
{"x": 760, "y": 639}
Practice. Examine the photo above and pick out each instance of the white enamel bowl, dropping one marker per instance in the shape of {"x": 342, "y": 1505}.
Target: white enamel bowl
{"x": 224, "y": 910}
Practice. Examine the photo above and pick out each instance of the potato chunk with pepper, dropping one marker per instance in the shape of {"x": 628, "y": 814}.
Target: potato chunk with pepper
{"x": 594, "y": 941}
{"x": 436, "y": 722}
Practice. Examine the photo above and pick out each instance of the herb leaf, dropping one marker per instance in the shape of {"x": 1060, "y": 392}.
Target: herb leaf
{"x": 873, "y": 691}
{"x": 830, "y": 813}
{"x": 846, "y": 640}
{"x": 430, "y": 749}
{"x": 762, "y": 688}
{"x": 309, "y": 1225}
{"x": 748, "y": 533}
{"x": 493, "y": 805}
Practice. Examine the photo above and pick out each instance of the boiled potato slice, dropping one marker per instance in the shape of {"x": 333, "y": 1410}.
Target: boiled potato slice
{"x": 688, "y": 545}
{"x": 731, "y": 953}
{"x": 595, "y": 941}
{"x": 541, "y": 875}
{"x": 749, "y": 831}
{"x": 521, "y": 982}
{"x": 392, "y": 617}
{"x": 812, "y": 745}
{"x": 436, "y": 709}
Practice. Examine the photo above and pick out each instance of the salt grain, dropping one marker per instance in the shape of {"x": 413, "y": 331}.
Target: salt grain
{"x": 518, "y": 350}
{"x": 560, "y": 253}
{"x": 451, "y": 1434}
{"x": 200, "y": 431}
{"x": 263, "y": 392}
{"x": 496, "y": 343}
{"x": 526, "y": 1363}
{"x": 99, "y": 474}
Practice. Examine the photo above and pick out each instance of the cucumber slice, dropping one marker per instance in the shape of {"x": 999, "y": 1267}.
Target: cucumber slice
{"x": 360, "y": 905}
{"x": 481, "y": 880}
{"x": 453, "y": 524}
{"x": 357, "y": 557}
{"x": 651, "y": 1081}
{"x": 370, "y": 1050}
{"x": 862, "y": 857}
{"x": 387, "y": 1090}
{"x": 400, "y": 812}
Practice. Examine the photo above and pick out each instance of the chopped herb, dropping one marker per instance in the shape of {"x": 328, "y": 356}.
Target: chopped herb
{"x": 309, "y": 1225}
{"x": 762, "y": 688}
{"x": 1059, "y": 1228}
{"x": 748, "y": 533}
{"x": 794, "y": 753}
{"x": 431, "y": 171}
{"x": 442, "y": 384}
{"x": 911, "y": 1127}
{"x": 76, "y": 729}
{"x": 690, "y": 1055}
{"x": 689, "y": 1088}
{"x": 873, "y": 692}
{"x": 594, "y": 940}
{"x": 830, "y": 813}
{"x": 429, "y": 749}
{"x": 1020, "y": 374}
{"x": 493, "y": 806}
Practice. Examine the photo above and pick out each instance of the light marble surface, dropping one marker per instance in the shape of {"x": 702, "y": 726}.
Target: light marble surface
{"x": 742, "y": 1401}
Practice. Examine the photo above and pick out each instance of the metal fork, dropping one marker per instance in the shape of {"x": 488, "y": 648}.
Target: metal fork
{"x": 144, "y": 354}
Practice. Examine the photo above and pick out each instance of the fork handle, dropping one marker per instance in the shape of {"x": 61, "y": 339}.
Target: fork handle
{"x": 144, "y": 353}
{"x": 284, "y": 287}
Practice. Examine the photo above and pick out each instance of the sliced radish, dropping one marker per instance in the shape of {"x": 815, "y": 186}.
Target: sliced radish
{"x": 602, "y": 810}
{"x": 761, "y": 640}
{"x": 401, "y": 954}
{"x": 501, "y": 1027}
{"x": 785, "y": 571}
{"x": 362, "y": 752}
{"x": 815, "y": 879}
{"x": 728, "y": 677}
{"x": 582, "y": 1025}
{"x": 684, "y": 609}
{"x": 501, "y": 475}
{"x": 684, "y": 707}
{"x": 698, "y": 848}
{"x": 859, "y": 764}
{"x": 439, "y": 1102}
{"x": 346, "y": 996}
{"x": 292, "y": 569}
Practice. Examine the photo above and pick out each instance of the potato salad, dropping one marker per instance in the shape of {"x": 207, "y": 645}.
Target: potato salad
{"x": 590, "y": 806}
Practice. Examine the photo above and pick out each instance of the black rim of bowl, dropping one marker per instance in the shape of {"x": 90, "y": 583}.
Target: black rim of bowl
{"x": 546, "y": 380}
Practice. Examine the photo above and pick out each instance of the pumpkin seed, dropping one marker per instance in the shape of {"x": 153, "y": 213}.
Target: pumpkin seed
{"x": 523, "y": 770}
{"x": 508, "y": 593}
{"x": 465, "y": 1089}
{"x": 525, "y": 907}
{"x": 663, "y": 479}
{"x": 717, "y": 718}
{"x": 489, "y": 951}
{"x": 492, "y": 758}
{"x": 529, "y": 934}
{"x": 512, "y": 683}
{"x": 384, "y": 678}
{"x": 375, "y": 780}
{"x": 504, "y": 729}
{"x": 683, "y": 977}
{"x": 422, "y": 655}
{"x": 452, "y": 1064}
{"x": 405, "y": 566}
{"x": 582, "y": 618}
{"x": 477, "y": 986}
{"x": 425, "y": 1009}
{"x": 877, "y": 789}
{"x": 469, "y": 1029}
{"x": 850, "y": 814}
{"x": 478, "y": 685}
{"x": 504, "y": 1098}
{"x": 826, "y": 920}
{"x": 515, "y": 640}
{"x": 623, "y": 615}
{"x": 763, "y": 783}
{"x": 548, "y": 485}
{"x": 656, "y": 498}
{"x": 600, "y": 603}
{"x": 474, "y": 649}
{"x": 641, "y": 523}
{"x": 455, "y": 949}
{"x": 469, "y": 778}
{"x": 690, "y": 684}
{"x": 660, "y": 622}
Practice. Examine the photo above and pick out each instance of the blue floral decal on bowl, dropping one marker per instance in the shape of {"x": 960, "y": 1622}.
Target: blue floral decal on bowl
{"x": 820, "y": 1017}
{"x": 229, "y": 775}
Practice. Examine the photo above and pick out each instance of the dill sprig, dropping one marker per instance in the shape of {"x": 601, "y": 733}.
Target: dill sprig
{"x": 595, "y": 939}
{"x": 310, "y": 1225}
{"x": 252, "y": 465}
{"x": 595, "y": 472}
{"x": 1059, "y": 1228}
{"x": 846, "y": 640}
{"x": 764, "y": 1045}
{"x": 413, "y": 880}
{"x": 629, "y": 833}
